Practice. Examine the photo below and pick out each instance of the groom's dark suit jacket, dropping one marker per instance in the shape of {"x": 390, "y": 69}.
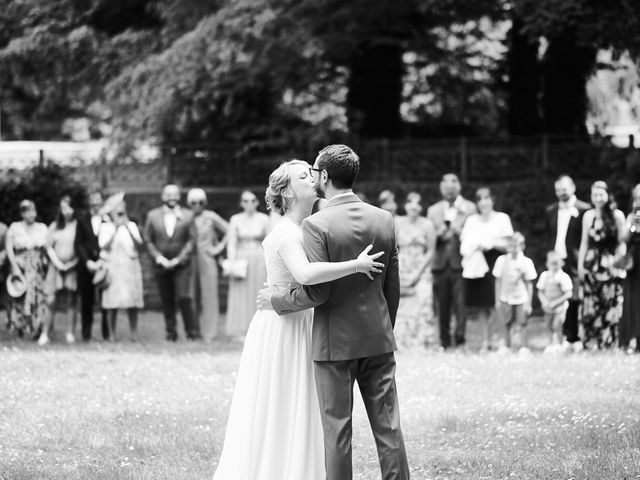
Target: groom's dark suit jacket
{"x": 354, "y": 316}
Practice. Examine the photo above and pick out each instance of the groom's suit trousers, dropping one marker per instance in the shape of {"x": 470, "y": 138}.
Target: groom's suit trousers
{"x": 376, "y": 380}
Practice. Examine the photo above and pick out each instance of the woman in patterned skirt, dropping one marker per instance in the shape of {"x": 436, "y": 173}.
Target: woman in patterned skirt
{"x": 25, "y": 243}
{"x": 416, "y": 238}
{"x": 602, "y": 283}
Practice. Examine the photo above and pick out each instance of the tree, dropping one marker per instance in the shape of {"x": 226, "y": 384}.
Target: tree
{"x": 573, "y": 31}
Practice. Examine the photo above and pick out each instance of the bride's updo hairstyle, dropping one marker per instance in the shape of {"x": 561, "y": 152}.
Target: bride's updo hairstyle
{"x": 278, "y": 196}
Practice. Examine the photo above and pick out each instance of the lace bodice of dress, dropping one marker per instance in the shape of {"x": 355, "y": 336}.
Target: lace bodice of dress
{"x": 277, "y": 273}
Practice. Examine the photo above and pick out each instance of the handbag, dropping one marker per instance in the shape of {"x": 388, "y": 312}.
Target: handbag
{"x": 235, "y": 268}
{"x": 101, "y": 277}
{"x": 624, "y": 262}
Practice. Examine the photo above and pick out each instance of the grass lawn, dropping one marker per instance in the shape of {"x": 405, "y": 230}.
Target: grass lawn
{"x": 158, "y": 411}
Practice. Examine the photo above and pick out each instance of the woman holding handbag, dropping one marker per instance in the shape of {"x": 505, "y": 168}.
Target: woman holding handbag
{"x": 245, "y": 263}
{"x": 122, "y": 284}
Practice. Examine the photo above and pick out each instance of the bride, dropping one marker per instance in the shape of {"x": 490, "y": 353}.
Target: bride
{"x": 274, "y": 430}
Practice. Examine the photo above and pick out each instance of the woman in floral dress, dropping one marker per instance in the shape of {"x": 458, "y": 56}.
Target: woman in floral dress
{"x": 602, "y": 283}
{"x": 26, "y": 242}
{"x": 416, "y": 238}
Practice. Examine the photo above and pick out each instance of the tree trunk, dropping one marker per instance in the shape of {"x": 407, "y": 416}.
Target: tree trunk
{"x": 524, "y": 82}
{"x": 567, "y": 67}
{"x": 375, "y": 91}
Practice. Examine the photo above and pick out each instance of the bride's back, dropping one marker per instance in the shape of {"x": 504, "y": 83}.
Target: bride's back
{"x": 277, "y": 273}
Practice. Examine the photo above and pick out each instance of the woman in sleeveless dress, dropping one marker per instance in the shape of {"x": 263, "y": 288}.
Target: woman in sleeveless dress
{"x": 602, "y": 283}
{"x": 246, "y": 232}
{"x": 416, "y": 236}
{"x": 274, "y": 430}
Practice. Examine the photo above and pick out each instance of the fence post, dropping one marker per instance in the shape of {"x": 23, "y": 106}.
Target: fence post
{"x": 387, "y": 167}
{"x": 169, "y": 162}
{"x": 41, "y": 158}
{"x": 545, "y": 152}
{"x": 464, "y": 167}
{"x": 104, "y": 178}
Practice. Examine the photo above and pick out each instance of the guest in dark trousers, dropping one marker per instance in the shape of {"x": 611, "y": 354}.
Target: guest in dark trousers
{"x": 170, "y": 237}
{"x": 448, "y": 217}
{"x": 564, "y": 224}
{"x": 630, "y": 322}
{"x": 87, "y": 249}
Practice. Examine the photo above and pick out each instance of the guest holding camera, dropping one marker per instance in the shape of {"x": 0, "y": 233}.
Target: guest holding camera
{"x": 449, "y": 216}
{"x": 120, "y": 241}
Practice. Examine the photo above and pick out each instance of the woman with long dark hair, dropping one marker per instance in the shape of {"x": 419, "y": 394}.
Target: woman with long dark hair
{"x": 602, "y": 239}
{"x": 61, "y": 282}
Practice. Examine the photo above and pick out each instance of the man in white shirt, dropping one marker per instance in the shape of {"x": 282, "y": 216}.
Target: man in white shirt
{"x": 170, "y": 239}
{"x": 564, "y": 224}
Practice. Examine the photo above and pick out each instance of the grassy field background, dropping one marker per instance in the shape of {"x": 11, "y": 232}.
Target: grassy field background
{"x": 158, "y": 411}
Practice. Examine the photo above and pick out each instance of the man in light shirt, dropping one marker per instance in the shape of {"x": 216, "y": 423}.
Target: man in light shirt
{"x": 564, "y": 224}
{"x": 170, "y": 237}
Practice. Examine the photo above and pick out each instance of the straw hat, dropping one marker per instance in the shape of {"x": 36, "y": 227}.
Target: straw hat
{"x": 111, "y": 203}
{"x": 16, "y": 285}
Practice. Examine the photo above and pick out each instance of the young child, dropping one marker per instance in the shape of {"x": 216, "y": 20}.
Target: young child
{"x": 514, "y": 274}
{"x": 554, "y": 291}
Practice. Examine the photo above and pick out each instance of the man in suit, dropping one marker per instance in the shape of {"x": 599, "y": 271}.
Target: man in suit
{"x": 354, "y": 317}
{"x": 170, "y": 237}
{"x": 448, "y": 216}
{"x": 564, "y": 224}
{"x": 87, "y": 249}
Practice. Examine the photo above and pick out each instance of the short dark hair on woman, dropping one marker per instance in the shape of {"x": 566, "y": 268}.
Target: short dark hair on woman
{"x": 341, "y": 163}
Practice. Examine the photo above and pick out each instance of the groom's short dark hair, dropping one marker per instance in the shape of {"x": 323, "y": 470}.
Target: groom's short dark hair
{"x": 341, "y": 163}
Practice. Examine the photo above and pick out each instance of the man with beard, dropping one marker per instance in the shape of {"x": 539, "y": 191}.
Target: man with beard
{"x": 170, "y": 235}
{"x": 564, "y": 224}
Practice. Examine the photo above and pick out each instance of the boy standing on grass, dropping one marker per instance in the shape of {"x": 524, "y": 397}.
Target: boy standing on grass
{"x": 555, "y": 289}
{"x": 514, "y": 274}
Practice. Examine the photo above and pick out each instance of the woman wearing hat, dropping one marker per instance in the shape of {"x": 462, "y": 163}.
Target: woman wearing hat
{"x": 119, "y": 241}
{"x": 25, "y": 242}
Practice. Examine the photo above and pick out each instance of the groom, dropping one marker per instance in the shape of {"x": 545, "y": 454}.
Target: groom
{"x": 354, "y": 317}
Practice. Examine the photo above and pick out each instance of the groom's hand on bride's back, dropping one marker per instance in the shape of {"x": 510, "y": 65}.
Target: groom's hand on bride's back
{"x": 263, "y": 301}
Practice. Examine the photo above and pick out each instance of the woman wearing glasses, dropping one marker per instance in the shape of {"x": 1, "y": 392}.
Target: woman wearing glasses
{"x": 210, "y": 227}
{"x": 119, "y": 243}
{"x": 247, "y": 229}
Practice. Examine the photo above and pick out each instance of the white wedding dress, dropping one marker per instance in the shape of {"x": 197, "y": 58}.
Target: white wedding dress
{"x": 274, "y": 430}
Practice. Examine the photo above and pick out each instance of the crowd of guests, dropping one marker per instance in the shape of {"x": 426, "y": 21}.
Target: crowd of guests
{"x": 91, "y": 259}
{"x": 458, "y": 259}
{"x": 463, "y": 259}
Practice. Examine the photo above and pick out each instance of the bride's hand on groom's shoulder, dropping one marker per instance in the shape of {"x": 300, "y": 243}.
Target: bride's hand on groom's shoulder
{"x": 263, "y": 300}
{"x": 367, "y": 264}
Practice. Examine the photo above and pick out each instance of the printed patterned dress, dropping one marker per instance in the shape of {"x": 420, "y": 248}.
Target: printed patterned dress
{"x": 415, "y": 323}
{"x": 603, "y": 288}
{"x": 27, "y": 313}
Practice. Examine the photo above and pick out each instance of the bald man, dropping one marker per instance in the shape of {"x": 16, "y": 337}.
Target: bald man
{"x": 448, "y": 216}
{"x": 170, "y": 238}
